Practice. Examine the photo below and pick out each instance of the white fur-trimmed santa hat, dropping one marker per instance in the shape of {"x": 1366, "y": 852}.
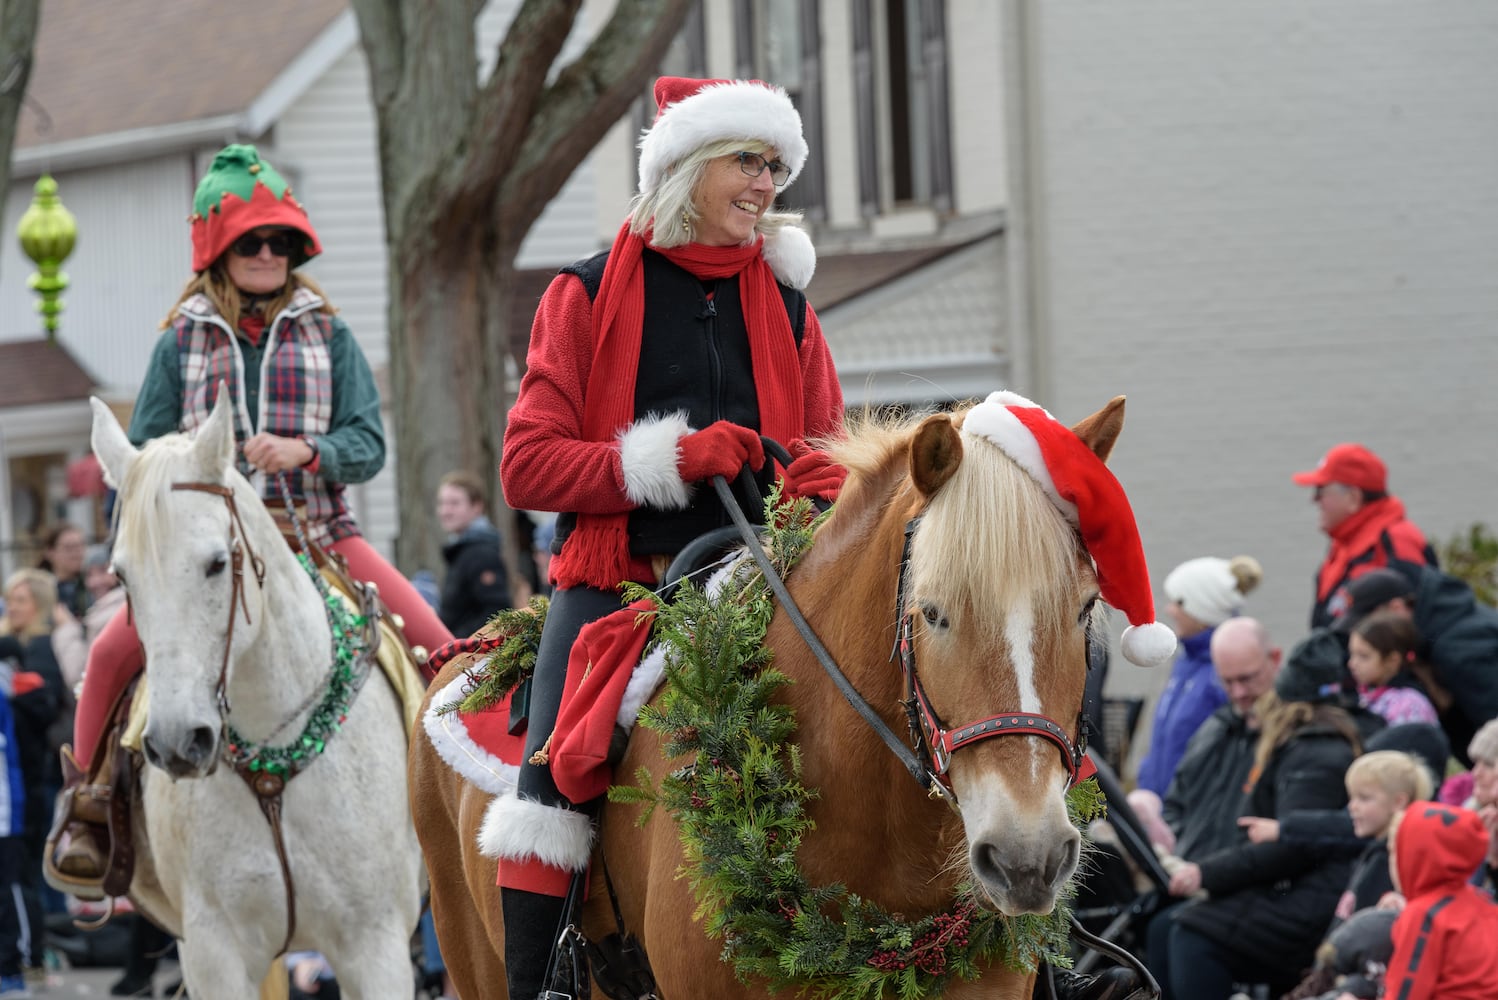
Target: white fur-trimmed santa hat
{"x": 695, "y": 112}
{"x": 1086, "y": 493}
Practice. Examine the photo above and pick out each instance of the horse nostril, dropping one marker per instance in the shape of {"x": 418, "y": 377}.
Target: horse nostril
{"x": 1063, "y": 858}
{"x": 200, "y": 748}
{"x": 153, "y": 757}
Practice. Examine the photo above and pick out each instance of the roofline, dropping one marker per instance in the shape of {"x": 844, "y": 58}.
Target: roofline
{"x": 341, "y": 34}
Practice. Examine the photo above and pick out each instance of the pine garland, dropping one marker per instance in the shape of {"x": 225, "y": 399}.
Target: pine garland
{"x": 741, "y": 809}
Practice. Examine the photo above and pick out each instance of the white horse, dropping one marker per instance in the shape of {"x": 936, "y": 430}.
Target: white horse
{"x": 208, "y": 868}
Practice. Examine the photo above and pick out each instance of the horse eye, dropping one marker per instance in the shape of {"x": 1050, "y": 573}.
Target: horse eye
{"x": 216, "y": 566}
{"x": 1087, "y": 609}
{"x": 933, "y": 616}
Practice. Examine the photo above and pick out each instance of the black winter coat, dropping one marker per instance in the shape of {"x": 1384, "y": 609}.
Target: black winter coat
{"x": 1205, "y": 797}
{"x": 477, "y": 583}
{"x": 1271, "y": 903}
{"x": 1461, "y": 646}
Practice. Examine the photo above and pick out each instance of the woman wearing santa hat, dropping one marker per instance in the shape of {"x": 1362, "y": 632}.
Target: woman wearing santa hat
{"x": 306, "y": 408}
{"x": 653, "y": 367}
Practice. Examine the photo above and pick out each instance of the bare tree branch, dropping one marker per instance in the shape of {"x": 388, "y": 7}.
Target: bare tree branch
{"x": 19, "y": 20}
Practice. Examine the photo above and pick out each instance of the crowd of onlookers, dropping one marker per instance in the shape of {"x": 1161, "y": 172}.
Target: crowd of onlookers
{"x": 1328, "y": 818}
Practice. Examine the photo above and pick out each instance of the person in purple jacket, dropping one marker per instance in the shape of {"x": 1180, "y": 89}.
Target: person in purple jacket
{"x": 1201, "y": 594}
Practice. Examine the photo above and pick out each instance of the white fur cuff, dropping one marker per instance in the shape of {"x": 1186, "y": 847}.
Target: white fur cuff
{"x": 519, "y": 829}
{"x": 647, "y": 451}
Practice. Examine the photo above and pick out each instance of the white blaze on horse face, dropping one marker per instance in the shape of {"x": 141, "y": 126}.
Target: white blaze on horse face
{"x": 1019, "y": 636}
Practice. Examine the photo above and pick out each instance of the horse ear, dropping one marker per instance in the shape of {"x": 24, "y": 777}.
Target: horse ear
{"x": 935, "y": 453}
{"x": 111, "y": 446}
{"x": 214, "y": 443}
{"x": 1100, "y": 431}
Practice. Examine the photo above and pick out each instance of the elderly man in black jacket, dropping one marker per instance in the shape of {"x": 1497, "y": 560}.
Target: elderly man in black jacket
{"x": 477, "y": 583}
{"x": 1458, "y": 664}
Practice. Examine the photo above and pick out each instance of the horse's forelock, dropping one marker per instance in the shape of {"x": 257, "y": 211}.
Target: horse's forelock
{"x": 989, "y": 539}
{"x": 142, "y": 505}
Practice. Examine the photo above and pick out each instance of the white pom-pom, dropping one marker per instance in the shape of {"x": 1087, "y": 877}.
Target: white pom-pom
{"x": 790, "y": 254}
{"x": 1148, "y": 645}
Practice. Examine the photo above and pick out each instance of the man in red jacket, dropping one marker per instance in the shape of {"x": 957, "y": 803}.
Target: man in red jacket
{"x": 1366, "y": 525}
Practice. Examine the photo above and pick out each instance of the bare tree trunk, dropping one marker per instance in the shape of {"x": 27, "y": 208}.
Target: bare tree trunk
{"x": 466, "y": 168}
{"x": 18, "y": 24}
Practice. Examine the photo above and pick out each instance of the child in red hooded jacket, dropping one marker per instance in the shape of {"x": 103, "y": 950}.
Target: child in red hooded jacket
{"x": 1446, "y": 939}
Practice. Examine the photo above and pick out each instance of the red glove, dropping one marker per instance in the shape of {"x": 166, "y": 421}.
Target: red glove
{"x": 721, "y": 449}
{"x": 813, "y": 474}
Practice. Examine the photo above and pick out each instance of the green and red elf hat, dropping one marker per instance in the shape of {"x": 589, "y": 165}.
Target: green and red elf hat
{"x": 241, "y": 192}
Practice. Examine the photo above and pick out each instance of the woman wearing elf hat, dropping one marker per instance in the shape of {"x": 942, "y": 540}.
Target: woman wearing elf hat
{"x": 653, "y": 367}
{"x": 305, "y": 406}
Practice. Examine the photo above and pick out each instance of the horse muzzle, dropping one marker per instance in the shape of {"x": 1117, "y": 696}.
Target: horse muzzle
{"x": 1026, "y": 874}
{"x": 182, "y": 752}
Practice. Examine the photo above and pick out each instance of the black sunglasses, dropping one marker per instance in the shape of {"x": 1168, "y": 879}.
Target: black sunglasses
{"x": 281, "y": 244}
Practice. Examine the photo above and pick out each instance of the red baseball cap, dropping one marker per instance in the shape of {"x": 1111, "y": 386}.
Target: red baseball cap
{"x": 1349, "y": 464}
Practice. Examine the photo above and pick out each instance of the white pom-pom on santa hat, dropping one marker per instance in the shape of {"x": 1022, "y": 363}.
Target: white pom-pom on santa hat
{"x": 1086, "y": 493}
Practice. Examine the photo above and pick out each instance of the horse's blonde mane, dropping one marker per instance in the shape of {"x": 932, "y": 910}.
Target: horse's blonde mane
{"x": 992, "y": 539}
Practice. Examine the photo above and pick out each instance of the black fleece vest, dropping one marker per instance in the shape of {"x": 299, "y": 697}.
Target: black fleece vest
{"x": 694, "y": 359}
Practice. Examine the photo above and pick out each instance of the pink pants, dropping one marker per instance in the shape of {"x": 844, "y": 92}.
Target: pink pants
{"x": 116, "y": 657}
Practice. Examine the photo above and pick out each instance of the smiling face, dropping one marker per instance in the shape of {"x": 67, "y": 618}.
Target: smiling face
{"x": 261, "y": 274}
{"x": 20, "y": 607}
{"x": 729, "y": 202}
{"x": 455, "y": 509}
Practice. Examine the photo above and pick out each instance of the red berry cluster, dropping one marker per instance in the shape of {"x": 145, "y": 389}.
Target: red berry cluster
{"x": 929, "y": 951}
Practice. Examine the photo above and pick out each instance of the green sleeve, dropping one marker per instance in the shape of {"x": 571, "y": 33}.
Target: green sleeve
{"x": 158, "y": 407}
{"x": 353, "y": 449}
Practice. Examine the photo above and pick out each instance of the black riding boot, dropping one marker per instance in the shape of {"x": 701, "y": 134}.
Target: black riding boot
{"x": 1116, "y": 983}
{"x": 532, "y": 922}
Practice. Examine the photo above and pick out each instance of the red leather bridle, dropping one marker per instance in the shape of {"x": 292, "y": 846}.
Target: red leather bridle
{"x": 934, "y": 741}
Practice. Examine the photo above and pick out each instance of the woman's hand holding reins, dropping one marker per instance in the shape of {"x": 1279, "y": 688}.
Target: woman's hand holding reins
{"x": 813, "y": 474}
{"x": 720, "y": 449}
{"x": 273, "y": 453}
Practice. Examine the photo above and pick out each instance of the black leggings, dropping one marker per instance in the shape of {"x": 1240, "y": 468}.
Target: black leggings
{"x": 570, "y": 610}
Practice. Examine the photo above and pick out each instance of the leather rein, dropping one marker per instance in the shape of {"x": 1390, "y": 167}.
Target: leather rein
{"x": 933, "y": 744}
{"x": 266, "y": 786}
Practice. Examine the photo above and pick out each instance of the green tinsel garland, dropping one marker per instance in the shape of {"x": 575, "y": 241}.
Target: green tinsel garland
{"x": 741, "y": 809}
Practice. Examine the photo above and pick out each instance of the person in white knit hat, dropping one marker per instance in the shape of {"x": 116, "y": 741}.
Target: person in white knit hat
{"x": 1202, "y": 594}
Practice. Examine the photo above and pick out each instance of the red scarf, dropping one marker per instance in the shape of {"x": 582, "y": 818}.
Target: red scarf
{"x": 1353, "y": 537}
{"x": 597, "y": 552}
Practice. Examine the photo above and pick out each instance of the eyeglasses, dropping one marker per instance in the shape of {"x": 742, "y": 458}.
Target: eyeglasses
{"x": 753, "y": 164}
{"x": 282, "y": 244}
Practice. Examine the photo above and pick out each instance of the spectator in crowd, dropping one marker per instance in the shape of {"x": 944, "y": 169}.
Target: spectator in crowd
{"x": 36, "y": 696}
{"x": 477, "y": 583}
{"x": 1483, "y": 797}
{"x": 15, "y": 928}
{"x": 1457, "y": 660}
{"x": 73, "y": 636}
{"x": 1380, "y": 656}
{"x": 1202, "y": 594}
{"x": 1269, "y": 904}
{"x": 62, "y": 556}
{"x": 1366, "y": 525}
{"x": 1200, "y": 809}
{"x": 1446, "y": 937}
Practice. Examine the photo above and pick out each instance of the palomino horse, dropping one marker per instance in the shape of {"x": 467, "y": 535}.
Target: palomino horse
{"x": 236, "y": 636}
{"x": 1002, "y": 593}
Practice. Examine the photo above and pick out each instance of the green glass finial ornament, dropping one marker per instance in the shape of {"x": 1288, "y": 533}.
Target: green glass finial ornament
{"x": 48, "y": 232}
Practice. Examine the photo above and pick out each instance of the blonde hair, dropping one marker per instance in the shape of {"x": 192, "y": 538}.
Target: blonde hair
{"x": 670, "y": 209}
{"x": 1280, "y": 720}
{"x": 43, "y": 589}
{"x": 228, "y": 301}
{"x": 1393, "y": 772}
